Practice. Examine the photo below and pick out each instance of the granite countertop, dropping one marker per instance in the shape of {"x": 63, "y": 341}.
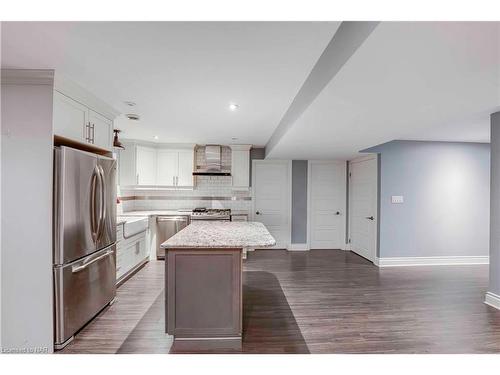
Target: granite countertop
{"x": 221, "y": 234}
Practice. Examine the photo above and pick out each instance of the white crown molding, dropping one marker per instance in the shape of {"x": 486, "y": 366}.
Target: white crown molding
{"x": 27, "y": 77}
{"x": 240, "y": 147}
{"x": 431, "y": 261}
{"x": 364, "y": 157}
{"x": 492, "y": 299}
{"x": 76, "y": 92}
{"x": 298, "y": 247}
{"x": 158, "y": 145}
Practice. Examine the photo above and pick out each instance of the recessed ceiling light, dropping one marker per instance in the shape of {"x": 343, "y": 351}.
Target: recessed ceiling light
{"x": 155, "y": 137}
{"x": 133, "y": 116}
{"x": 130, "y": 104}
{"x": 233, "y": 107}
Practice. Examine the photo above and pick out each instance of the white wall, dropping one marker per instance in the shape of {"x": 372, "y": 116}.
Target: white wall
{"x": 26, "y": 211}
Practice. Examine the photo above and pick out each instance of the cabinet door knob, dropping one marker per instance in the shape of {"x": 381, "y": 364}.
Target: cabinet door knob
{"x": 257, "y": 213}
{"x": 337, "y": 213}
{"x": 370, "y": 218}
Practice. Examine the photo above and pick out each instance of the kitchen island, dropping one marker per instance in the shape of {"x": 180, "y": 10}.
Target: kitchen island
{"x": 203, "y": 276}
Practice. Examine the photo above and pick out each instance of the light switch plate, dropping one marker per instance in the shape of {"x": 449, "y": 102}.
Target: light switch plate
{"x": 396, "y": 199}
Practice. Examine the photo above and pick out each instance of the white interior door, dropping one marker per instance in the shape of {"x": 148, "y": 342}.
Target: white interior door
{"x": 327, "y": 202}
{"x": 271, "y": 198}
{"x": 363, "y": 213}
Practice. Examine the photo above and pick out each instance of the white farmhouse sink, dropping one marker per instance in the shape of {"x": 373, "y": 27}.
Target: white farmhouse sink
{"x": 134, "y": 225}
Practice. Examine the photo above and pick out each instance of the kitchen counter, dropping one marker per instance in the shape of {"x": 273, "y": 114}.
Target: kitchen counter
{"x": 221, "y": 234}
{"x": 204, "y": 282}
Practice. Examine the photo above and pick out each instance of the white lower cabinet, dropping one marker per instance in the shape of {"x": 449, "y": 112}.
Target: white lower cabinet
{"x": 130, "y": 253}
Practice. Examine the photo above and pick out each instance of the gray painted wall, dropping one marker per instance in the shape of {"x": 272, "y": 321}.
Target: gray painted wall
{"x": 495, "y": 205}
{"x": 446, "y": 189}
{"x": 299, "y": 201}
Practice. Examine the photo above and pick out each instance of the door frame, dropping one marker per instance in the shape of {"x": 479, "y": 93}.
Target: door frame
{"x": 309, "y": 200}
{"x": 377, "y": 209}
{"x": 288, "y": 164}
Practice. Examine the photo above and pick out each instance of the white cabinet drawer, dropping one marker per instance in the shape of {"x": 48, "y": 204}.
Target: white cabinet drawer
{"x": 129, "y": 253}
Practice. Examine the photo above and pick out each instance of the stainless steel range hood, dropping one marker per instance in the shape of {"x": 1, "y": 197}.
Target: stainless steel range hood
{"x": 212, "y": 165}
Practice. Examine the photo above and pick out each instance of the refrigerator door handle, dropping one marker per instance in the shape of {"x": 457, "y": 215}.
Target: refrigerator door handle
{"x": 102, "y": 201}
{"x": 94, "y": 225}
{"x": 76, "y": 269}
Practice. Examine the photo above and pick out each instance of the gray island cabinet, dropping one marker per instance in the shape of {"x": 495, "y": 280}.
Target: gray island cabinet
{"x": 203, "y": 276}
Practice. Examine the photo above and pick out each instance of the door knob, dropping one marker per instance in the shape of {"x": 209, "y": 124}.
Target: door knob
{"x": 257, "y": 213}
{"x": 370, "y": 218}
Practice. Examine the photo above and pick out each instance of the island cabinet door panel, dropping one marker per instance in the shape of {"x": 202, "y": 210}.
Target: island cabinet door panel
{"x": 204, "y": 293}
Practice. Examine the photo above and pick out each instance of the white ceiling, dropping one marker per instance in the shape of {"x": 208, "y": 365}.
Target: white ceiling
{"x": 409, "y": 80}
{"x": 182, "y": 75}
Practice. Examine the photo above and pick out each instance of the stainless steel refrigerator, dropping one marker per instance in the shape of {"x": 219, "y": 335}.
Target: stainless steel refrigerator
{"x": 84, "y": 239}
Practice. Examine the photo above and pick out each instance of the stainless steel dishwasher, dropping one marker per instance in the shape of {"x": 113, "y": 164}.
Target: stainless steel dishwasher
{"x": 166, "y": 227}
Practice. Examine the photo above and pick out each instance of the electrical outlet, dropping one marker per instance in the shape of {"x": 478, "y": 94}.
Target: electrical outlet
{"x": 397, "y": 199}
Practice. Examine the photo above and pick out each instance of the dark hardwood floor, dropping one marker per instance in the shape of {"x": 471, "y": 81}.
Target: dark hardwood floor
{"x": 321, "y": 301}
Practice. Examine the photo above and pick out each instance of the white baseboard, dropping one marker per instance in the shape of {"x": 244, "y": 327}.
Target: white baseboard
{"x": 298, "y": 247}
{"x": 431, "y": 261}
{"x": 492, "y": 300}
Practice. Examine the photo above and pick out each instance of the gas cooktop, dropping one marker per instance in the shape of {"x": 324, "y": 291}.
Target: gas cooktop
{"x": 211, "y": 214}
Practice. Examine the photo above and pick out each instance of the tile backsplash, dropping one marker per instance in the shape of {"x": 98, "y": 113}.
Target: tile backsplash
{"x": 210, "y": 192}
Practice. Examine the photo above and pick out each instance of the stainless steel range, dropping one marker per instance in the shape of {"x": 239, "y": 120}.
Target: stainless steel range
{"x": 211, "y": 214}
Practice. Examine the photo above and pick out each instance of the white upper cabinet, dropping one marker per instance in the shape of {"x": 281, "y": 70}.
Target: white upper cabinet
{"x": 80, "y": 116}
{"x": 240, "y": 166}
{"x": 70, "y": 118}
{"x": 127, "y": 175}
{"x": 156, "y": 166}
{"x": 167, "y": 167}
{"x": 101, "y": 130}
{"x": 175, "y": 167}
{"x": 146, "y": 158}
{"x": 185, "y": 168}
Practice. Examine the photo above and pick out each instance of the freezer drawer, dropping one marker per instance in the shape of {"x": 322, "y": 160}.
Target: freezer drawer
{"x": 81, "y": 289}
